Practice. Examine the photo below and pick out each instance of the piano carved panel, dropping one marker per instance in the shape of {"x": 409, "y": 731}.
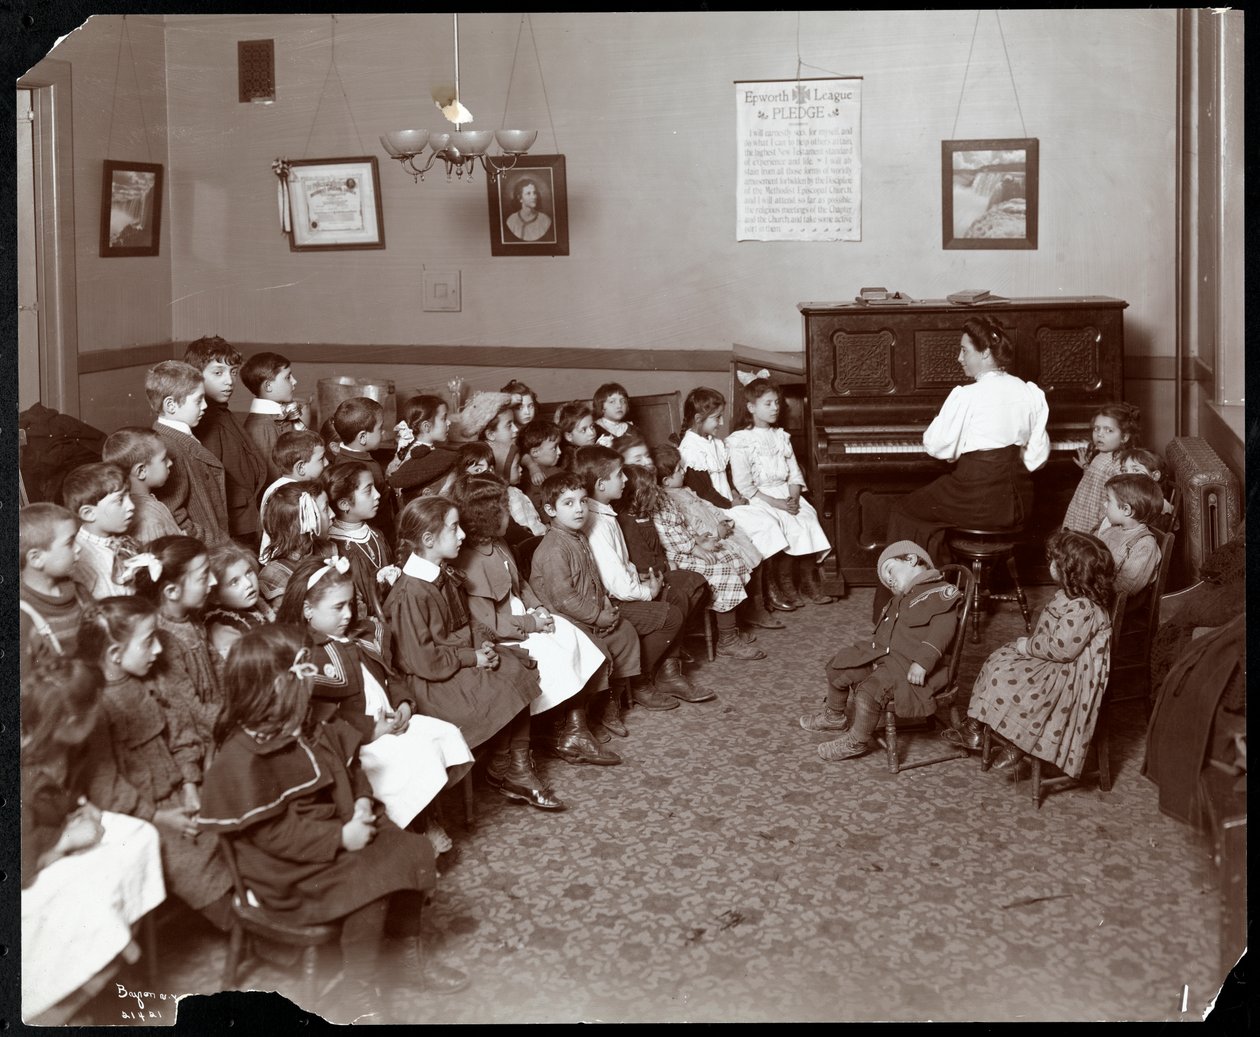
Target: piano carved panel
{"x": 1069, "y": 356}
{"x": 877, "y": 375}
{"x": 863, "y": 362}
{"x": 936, "y": 359}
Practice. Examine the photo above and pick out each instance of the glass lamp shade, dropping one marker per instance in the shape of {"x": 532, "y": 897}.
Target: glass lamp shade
{"x": 516, "y": 142}
{"x": 405, "y": 142}
{"x": 472, "y": 142}
{"x": 439, "y": 141}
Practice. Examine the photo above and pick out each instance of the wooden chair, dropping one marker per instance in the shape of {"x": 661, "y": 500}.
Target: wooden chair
{"x": 963, "y": 579}
{"x": 707, "y": 629}
{"x": 656, "y": 415}
{"x": 523, "y": 552}
{"x": 249, "y": 921}
{"x": 983, "y": 549}
{"x": 1130, "y": 676}
{"x": 1100, "y": 744}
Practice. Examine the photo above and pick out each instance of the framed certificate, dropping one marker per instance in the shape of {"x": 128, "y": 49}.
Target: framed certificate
{"x": 335, "y": 203}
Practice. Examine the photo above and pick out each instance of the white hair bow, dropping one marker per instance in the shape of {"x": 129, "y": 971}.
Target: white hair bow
{"x": 388, "y": 574}
{"x": 404, "y": 434}
{"x": 745, "y": 377}
{"x": 309, "y": 518}
{"x": 342, "y": 565}
{"x": 144, "y": 560}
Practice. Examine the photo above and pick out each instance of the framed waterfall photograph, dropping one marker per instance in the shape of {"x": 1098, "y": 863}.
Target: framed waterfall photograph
{"x": 989, "y": 193}
{"x": 131, "y": 209}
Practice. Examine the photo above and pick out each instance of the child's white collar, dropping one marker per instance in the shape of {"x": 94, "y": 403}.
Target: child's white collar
{"x": 261, "y": 406}
{"x": 176, "y": 424}
{"x": 422, "y": 569}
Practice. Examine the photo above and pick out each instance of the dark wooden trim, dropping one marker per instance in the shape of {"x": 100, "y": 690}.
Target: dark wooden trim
{"x": 497, "y": 356}
{"x": 134, "y": 356}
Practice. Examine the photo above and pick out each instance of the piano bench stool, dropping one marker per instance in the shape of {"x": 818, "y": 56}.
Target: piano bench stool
{"x": 982, "y": 549}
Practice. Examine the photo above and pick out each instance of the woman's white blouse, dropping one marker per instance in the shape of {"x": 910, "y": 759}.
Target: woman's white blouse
{"x": 994, "y": 411}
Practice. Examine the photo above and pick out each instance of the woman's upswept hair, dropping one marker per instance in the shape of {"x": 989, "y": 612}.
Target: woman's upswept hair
{"x": 754, "y": 391}
{"x": 422, "y": 515}
{"x": 260, "y": 689}
{"x": 643, "y": 494}
{"x": 111, "y": 621}
{"x": 482, "y": 501}
{"x": 176, "y": 555}
{"x": 1086, "y": 567}
{"x": 987, "y": 333}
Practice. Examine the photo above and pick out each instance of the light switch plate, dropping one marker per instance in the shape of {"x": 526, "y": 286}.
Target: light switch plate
{"x": 441, "y": 290}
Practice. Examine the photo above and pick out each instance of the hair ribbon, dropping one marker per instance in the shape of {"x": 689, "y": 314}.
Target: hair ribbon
{"x": 745, "y": 377}
{"x": 309, "y": 518}
{"x": 302, "y": 668}
{"x": 342, "y": 565}
{"x": 144, "y": 560}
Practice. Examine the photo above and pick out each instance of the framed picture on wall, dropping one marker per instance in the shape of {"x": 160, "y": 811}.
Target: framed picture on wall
{"x": 335, "y": 204}
{"x": 989, "y": 193}
{"x": 131, "y": 209}
{"x": 529, "y": 208}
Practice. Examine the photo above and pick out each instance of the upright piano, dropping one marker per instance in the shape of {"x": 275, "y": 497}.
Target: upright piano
{"x": 878, "y": 373}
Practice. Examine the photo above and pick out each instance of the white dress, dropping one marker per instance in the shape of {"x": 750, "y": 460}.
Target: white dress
{"x": 709, "y": 454}
{"x": 566, "y": 660}
{"x": 762, "y": 460}
{"x": 409, "y": 769}
{"x": 77, "y": 914}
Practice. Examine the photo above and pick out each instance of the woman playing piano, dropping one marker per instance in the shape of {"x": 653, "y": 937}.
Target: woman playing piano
{"x": 995, "y": 429}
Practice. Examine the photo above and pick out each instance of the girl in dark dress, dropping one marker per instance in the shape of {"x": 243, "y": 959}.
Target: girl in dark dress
{"x": 310, "y": 843}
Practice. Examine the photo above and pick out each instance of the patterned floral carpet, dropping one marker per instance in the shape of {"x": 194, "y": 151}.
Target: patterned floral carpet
{"x": 726, "y": 873}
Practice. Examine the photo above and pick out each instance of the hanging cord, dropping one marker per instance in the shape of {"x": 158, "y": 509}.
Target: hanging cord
{"x": 503, "y": 125}
{"x": 332, "y": 67}
{"x": 1009, "y": 70}
{"x": 802, "y": 65}
{"x": 113, "y": 101}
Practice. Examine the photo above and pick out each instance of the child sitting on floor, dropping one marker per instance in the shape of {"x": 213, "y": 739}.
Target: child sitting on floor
{"x": 142, "y": 456}
{"x": 904, "y": 659}
{"x": 50, "y": 599}
{"x": 288, "y": 792}
{"x": 236, "y": 605}
{"x": 97, "y": 494}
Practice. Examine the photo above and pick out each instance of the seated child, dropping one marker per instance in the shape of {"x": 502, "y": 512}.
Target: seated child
{"x": 296, "y": 525}
{"x": 1040, "y": 694}
{"x": 1139, "y": 461}
{"x": 576, "y": 422}
{"x": 905, "y": 659}
{"x": 70, "y": 846}
{"x": 487, "y": 416}
{"x": 359, "y": 423}
{"x": 195, "y": 488}
{"x": 97, "y": 494}
{"x": 1133, "y": 501}
{"x": 520, "y": 508}
{"x": 1116, "y": 427}
{"x": 332, "y": 442}
{"x": 446, "y": 672}
{"x": 505, "y": 610}
{"x": 50, "y": 599}
{"x": 610, "y": 405}
{"x": 423, "y": 463}
{"x": 476, "y": 458}
{"x": 235, "y": 605}
{"x": 406, "y": 758}
{"x": 300, "y": 456}
{"x": 318, "y": 851}
{"x": 176, "y": 580}
{"x": 539, "y": 443}
{"x": 354, "y": 498}
{"x": 658, "y": 538}
{"x": 706, "y": 521}
{"x": 526, "y": 403}
{"x": 159, "y": 754}
{"x": 567, "y": 582}
{"x": 269, "y": 377}
{"x": 142, "y": 456}
{"x": 222, "y": 433}
{"x": 634, "y": 450}
{"x": 640, "y": 598}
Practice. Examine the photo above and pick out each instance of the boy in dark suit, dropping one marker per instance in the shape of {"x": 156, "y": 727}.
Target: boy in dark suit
{"x": 269, "y": 376}
{"x": 221, "y": 432}
{"x": 194, "y": 490}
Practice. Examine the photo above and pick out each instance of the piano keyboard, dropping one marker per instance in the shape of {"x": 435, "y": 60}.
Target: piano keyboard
{"x": 910, "y": 446}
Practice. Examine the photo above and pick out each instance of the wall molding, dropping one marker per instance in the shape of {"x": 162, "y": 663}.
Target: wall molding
{"x": 99, "y": 360}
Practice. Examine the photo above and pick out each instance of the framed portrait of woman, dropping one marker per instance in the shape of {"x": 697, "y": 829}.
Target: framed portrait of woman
{"x": 529, "y": 208}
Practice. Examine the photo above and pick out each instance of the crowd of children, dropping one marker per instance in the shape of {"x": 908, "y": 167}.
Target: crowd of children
{"x": 291, "y": 644}
{"x": 286, "y": 644}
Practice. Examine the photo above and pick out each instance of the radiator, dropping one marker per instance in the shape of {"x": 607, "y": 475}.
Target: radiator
{"x": 1210, "y": 498}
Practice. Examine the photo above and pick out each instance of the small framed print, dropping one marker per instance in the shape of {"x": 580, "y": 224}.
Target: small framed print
{"x": 989, "y": 193}
{"x": 131, "y": 209}
{"x": 529, "y": 208}
{"x": 335, "y": 203}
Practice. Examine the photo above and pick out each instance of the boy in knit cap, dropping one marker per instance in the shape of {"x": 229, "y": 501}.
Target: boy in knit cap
{"x": 903, "y": 658}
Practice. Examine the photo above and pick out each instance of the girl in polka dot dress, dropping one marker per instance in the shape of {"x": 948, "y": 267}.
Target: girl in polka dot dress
{"x": 1040, "y": 694}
